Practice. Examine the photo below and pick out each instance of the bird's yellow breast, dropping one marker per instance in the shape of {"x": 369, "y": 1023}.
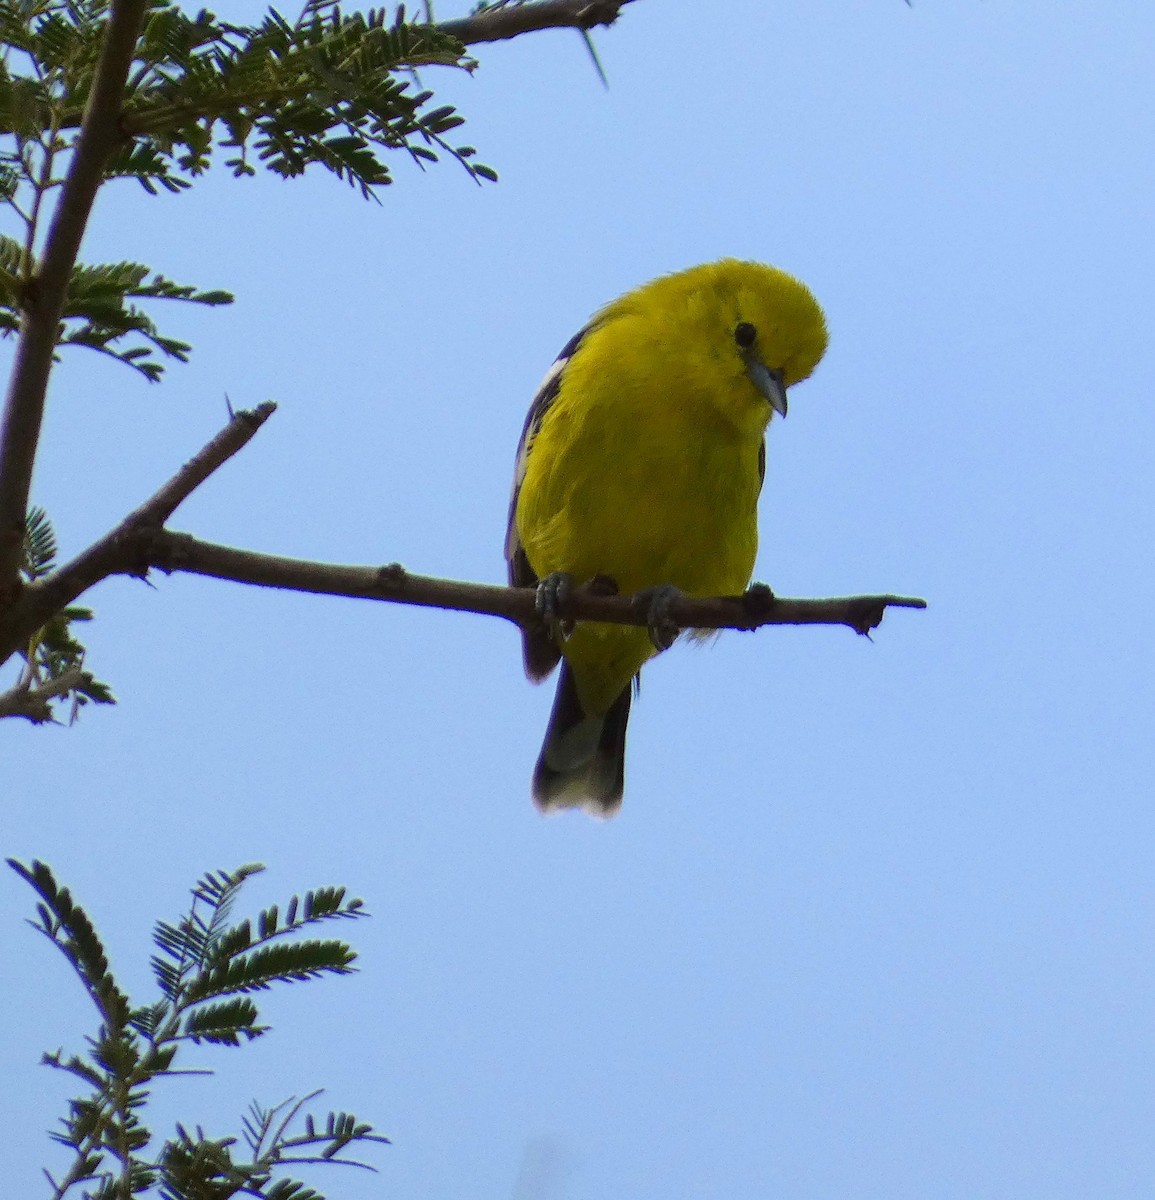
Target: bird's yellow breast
{"x": 635, "y": 473}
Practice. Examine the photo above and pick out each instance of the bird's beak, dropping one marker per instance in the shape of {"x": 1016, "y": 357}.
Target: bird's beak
{"x": 768, "y": 382}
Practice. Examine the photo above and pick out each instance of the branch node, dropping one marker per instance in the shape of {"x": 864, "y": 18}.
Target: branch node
{"x": 167, "y": 551}
{"x": 393, "y": 577}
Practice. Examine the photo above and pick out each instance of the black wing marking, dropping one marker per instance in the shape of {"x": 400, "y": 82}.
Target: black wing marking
{"x": 761, "y": 465}
{"x": 540, "y": 652}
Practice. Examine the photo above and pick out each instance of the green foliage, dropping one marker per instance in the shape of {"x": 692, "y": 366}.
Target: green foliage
{"x": 39, "y": 544}
{"x": 98, "y": 313}
{"x": 98, "y": 299}
{"x": 54, "y": 659}
{"x": 329, "y": 90}
{"x": 204, "y": 966}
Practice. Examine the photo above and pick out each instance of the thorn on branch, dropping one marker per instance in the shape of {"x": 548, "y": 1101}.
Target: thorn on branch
{"x": 866, "y": 613}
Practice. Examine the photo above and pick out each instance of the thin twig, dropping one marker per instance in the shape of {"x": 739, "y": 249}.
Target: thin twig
{"x": 121, "y": 550}
{"x": 499, "y": 24}
{"x": 237, "y": 434}
{"x": 44, "y": 297}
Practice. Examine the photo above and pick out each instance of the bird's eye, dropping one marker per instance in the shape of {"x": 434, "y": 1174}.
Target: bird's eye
{"x": 744, "y": 334}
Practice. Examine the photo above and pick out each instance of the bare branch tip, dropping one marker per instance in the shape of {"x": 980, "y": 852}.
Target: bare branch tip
{"x": 255, "y": 416}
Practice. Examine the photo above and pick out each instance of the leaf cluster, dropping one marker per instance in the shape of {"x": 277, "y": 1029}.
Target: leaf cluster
{"x": 329, "y": 89}
{"x": 99, "y": 311}
{"x": 54, "y": 658}
{"x": 206, "y": 967}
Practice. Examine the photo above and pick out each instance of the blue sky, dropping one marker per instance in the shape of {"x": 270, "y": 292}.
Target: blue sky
{"x": 875, "y": 920}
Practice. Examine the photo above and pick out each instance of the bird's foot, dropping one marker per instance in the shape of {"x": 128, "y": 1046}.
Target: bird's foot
{"x": 552, "y": 593}
{"x": 758, "y": 600}
{"x": 659, "y": 601}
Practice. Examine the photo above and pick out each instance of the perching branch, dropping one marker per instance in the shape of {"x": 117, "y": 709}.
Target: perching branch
{"x": 140, "y": 542}
{"x": 170, "y": 551}
{"x": 43, "y": 300}
{"x": 498, "y": 24}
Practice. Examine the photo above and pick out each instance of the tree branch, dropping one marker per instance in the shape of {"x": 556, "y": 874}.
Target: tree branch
{"x": 499, "y": 24}
{"x": 140, "y": 542}
{"x": 101, "y": 130}
{"x": 492, "y": 25}
{"x": 171, "y": 551}
{"x": 45, "y": 293}
{"x": 121, "y": 551}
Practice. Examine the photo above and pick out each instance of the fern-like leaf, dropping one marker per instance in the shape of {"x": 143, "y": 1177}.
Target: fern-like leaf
{"x": 98, "y": 313}
{"x": 219, "y": 890}
{"x": 69, "y": 928}
{"x": 195, "y": 1168}
{"x": 39, "y": 544}
{"x": 105, "y": 1129}
{"x": 188, "y": 947}
{"x": 291, "y": 1189}
{"x": 286, "y": 963}
{"x": 224, "y": 1023}
{"x": 271, "y": 1140}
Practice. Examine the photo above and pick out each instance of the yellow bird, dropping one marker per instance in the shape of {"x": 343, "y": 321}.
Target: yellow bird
{"x": 642, "y": 459}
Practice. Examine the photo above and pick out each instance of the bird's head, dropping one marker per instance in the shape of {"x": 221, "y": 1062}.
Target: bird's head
{"x": 751, "y": 328}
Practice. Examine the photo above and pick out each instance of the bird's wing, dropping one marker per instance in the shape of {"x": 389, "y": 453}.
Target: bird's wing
{"x": 541, "y": 654}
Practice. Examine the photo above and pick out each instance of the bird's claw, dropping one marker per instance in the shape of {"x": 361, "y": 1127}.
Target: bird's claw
{"x": 552, "y": 594}
{"x": 758, "y": 600}
{"x": 663, "y": 629}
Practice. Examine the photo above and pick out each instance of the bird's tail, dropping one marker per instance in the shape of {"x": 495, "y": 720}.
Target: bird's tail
{"x": 582, "y": 760}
